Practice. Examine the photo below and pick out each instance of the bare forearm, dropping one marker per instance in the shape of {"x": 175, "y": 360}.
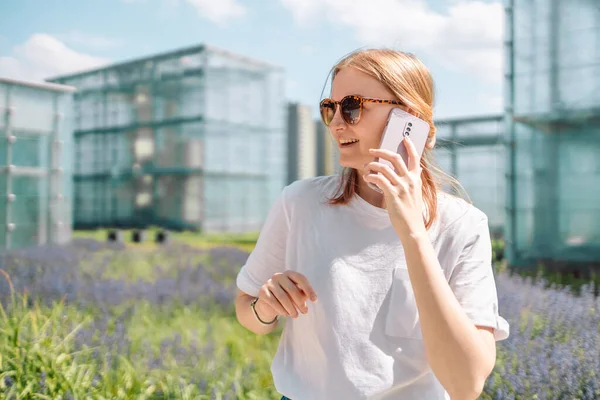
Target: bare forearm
{"x": 454, "y": 347}
{"x": 247, "y": 319}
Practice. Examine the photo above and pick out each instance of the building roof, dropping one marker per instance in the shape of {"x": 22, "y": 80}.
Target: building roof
{"x": 169, "y": 54}
{"x": 39, "y": 85}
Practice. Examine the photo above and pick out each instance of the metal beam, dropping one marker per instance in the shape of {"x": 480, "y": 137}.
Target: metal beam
{"x": 511, "y": 196}
{"x": 471, "y": 141}
{"x": 169, "y": 122}
{"x": 197, "y": 49}
{"x": 138, "y": 125}
{"x": 8, "y": 169}
{"x": 181, "y": 171}
{"x": 466, "y": 120}
{"x": 39, "y": 85}
{"x": 23, "y": 171}
{"x": 129, "y": 87}
{"x": 560, "y": 118}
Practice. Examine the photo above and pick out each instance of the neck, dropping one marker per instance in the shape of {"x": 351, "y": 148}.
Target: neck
{"x": 371, "y": 196}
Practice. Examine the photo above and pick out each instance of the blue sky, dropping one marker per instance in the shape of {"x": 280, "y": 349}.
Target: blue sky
{"x": 459, "y": 40}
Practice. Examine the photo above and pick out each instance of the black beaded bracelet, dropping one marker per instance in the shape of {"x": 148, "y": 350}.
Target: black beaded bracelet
{"x": 252, "y": 304}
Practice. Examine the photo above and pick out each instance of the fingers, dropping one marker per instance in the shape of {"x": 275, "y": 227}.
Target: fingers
{"x": 298, "y": 298}
{"x": 303, "y": 283}
{"x": 394, "y": 158}
{"x": 287, "y": 292}
{"x": 266, "y": 310}
{"x": 284, "y": 299}
{"x": 381, "y": 181}
{"x": 386, "y": 170}
{"x": 271, "y": 300}
{"x": 413, "y": 155}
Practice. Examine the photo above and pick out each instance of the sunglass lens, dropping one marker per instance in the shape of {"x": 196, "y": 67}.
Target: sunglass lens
{"x": 351, "y": 110}
{"x": 327, "y": 109}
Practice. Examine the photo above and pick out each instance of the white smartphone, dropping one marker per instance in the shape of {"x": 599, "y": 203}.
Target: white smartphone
{"x": 401, "y": 124}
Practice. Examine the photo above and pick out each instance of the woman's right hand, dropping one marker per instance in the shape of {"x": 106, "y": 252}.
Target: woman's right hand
{"x": 284, "y": 294}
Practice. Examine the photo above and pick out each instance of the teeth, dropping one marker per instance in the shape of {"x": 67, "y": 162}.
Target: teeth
{"x": 345, "y": 141}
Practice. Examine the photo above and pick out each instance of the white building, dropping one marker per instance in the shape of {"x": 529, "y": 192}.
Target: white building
{"x": 302, "y": 143}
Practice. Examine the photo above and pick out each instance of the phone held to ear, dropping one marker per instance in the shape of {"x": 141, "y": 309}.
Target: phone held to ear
{"x": 401, "y": 124}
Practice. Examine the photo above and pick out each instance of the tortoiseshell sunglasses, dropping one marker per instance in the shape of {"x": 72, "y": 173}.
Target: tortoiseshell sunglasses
{"x": 351, "y": 107}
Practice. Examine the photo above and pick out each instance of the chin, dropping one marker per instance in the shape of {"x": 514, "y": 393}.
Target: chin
{"x": 356, "y": 162}
{"x": 347, "y": 165}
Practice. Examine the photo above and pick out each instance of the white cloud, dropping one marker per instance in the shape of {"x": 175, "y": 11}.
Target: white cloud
{"x": 218, "y": 11}
{"x": 43, "y": 56}
{"x": 76, "y": 38}
{"x": 468, "y": 37}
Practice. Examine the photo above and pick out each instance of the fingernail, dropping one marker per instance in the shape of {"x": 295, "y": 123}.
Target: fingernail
{"x": 371, "y": 150}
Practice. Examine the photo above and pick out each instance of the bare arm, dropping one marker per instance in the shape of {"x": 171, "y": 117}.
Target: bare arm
{"x": 461, "y": 354}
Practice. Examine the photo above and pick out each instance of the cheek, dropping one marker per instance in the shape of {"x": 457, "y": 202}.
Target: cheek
{"x": 367, "y": 136}
{"x": 371, "y": 142}
{"x": 372, "y": 129}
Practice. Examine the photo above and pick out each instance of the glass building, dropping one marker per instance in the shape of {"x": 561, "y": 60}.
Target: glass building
{"x": 473, "y": 151}
{"x": 553, "y": 131}
{"x": 35, "y": 163}
{"x": 328, "y": 153}
{"x": 189, "y": 139}
{"x": 302, "y": 143}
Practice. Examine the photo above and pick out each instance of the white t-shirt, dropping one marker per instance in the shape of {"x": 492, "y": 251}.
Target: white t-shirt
{"x": 362, "y": 338}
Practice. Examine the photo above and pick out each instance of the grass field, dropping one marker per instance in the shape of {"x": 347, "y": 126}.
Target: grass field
{"x": 146, "y": 321}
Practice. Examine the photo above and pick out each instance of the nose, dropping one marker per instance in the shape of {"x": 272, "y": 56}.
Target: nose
{"x": 337, "y": 123}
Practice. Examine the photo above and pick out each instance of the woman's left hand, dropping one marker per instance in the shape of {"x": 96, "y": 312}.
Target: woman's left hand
{"x": 401, "y": 188}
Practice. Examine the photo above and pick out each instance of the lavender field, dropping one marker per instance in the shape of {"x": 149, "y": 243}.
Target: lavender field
{"x": 114, "y": 321}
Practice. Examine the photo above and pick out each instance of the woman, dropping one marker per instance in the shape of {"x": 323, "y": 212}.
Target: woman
{"x": 389, "y": 295}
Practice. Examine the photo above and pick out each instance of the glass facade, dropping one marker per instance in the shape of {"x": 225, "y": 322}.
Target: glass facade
{"x": 472, "y": 150}
{"x": 553, "y": 128}
{"x": 36, "y": 149}
{"x": 193, "y": 138}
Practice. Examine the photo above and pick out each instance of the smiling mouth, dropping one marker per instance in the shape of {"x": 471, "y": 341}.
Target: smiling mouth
{"x": 348, "y": 143}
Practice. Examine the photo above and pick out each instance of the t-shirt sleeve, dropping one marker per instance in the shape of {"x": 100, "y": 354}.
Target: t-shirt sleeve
{"x": 473, "y": 283}
{"x": 268, "y": 256}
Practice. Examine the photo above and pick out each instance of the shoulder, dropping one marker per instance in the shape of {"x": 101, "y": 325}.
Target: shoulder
{"x": 311, "y": 190}
{"x": 456, "y": 216}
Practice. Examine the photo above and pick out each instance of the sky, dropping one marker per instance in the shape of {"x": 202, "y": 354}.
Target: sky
{"x": 460, "y": 41}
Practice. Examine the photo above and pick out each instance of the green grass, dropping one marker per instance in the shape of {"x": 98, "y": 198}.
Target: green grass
{"x": 39, "y": 358}
{"x": 134, "y": 264}
{"x": 144, "y": 350}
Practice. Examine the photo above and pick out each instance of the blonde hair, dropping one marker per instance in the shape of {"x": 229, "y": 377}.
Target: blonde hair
{"x": 410, "y": 81}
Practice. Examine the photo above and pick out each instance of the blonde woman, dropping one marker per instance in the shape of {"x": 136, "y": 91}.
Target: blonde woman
{"x": 385, "y": 295}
